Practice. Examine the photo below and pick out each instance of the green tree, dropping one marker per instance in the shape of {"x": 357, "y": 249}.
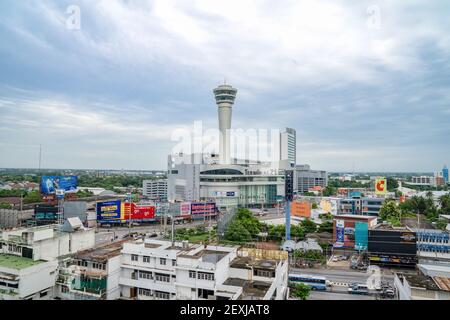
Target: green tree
{"x": 301, "y": 291}
{"x": 389, "y": 210}
{"x": 309, "y": 226}
{"x": 329, "y": 191}
{"x": 392, "y": 184}
{"x": 314, "y": 206}
{"x": 326, "y": 226}
{"x": 32, "y": 197}
{"x": 418, "y": 204}
{"x": 4, "y": 205}
{"x": 237, "y": 232}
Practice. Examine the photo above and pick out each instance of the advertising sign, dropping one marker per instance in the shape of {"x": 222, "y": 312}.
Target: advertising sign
{"x": 185, "y": 209}
{"x": 340, "y": 225}
{"x": 203, "y": 208}
{"x": 109, "y": 211}
{"x": 49, "y": 184}
{"x": 144, "y": 212}
{"x": 137, "y": 212}
{"x": 381, "y": 186}
{"x": 361, "y": 235}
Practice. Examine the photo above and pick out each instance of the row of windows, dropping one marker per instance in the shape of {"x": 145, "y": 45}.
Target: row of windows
{"x": 146, "y": 259}
{"x": 156, "y": 294}
{"x": 201, "y": 275}
{"x": 95, "y": 265}
{"x": 9, "y": 285}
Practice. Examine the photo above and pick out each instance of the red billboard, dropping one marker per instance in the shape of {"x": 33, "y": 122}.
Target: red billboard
{"x": 138, "y": 212}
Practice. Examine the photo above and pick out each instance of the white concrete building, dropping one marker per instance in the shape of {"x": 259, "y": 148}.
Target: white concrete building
{"x": 29, "y": 257}
{"x": 154, "y": 269}
{"x": 155, "y": 189}
{"x": 421, "y": 287}
{"x": 26, "y": 279}
{"x": 91, "y": 274}
{"x": 288, "y": 146}
{"x": 45, "y": 242}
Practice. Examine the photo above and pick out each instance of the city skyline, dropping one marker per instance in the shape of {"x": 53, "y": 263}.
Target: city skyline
{"x": 365, "y": 91}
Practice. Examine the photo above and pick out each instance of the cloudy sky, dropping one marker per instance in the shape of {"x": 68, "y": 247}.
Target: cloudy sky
{"x": 366, "y": 84}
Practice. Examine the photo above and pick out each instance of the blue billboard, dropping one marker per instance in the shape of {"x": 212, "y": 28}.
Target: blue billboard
{"x": 361, "y": 235}
{"x": 340, "y": 233}
{"x": 109, "y": 211}
{"x": 49, "y": 184}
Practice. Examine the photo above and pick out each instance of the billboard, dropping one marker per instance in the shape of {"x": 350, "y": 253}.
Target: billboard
{"x": 109, "y": 211}
{"x": 361, "y": 235}
{"x": 301, "y": 209}
{"x": 185, "y": 209}
{"x": 340, "y": 225}
{"x": 392, "y": 242}
{"x": 43, "y": 212}
{"x": 49, "y": 184}
{"x": 138, "y": 212}
{"x": 381, "y": 186}
{"x": 203, "y": 208}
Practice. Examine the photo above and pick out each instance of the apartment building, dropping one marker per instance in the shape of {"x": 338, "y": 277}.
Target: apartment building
{"x": 29, "y": 258}
{"x": 91, "y": 274}
{"x": 153, "y": 269}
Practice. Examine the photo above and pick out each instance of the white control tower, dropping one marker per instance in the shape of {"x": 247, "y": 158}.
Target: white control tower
{"x": 225, "y": 96}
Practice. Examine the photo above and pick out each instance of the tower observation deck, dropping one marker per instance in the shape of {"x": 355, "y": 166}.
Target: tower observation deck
{"x": 225, "y": 96}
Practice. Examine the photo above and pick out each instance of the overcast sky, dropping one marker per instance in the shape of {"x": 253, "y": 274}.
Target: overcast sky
{"x": 366, "y": 84}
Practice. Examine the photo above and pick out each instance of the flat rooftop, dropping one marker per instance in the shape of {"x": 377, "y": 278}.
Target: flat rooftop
{"x": 248, "y": 262}
{"x": 16, "y": 262}
{"x": 420, "y": 281}
{"x": 102, "y": 253}
{"x": 250, "y": 289}
{"x": 206, "y": 256}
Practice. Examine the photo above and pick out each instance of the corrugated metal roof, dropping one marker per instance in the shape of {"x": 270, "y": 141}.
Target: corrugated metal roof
{"x": 443, "y": 283}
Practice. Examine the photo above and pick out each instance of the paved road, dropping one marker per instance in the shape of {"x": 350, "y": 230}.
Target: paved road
{"x": 348, "y": 276}
{"x": 105, "y": 235}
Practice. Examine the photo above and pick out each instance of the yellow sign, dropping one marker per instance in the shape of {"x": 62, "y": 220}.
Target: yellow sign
{"x": 381, "y": 186}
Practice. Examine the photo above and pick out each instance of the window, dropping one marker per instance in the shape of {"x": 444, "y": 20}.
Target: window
{"x": 162, "y": 295}
{"x": 145, "y": 275}
{"x": 162, "y": 277}
{"x": 64, "y": 289}
{"x": 205, "y": 276}
{"x": 192, "y": 274}
{"x": 134, "y": 257}
{"x": 264, "y": 273}
{"x": 43, "y": 294}
{"x": 162, "y": 261}
{"x": 145, "y": 292}
{"x": 174, "y": 263}
{"x": 146, "y": 259}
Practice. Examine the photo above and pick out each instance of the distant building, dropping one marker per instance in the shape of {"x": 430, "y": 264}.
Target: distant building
{"x": 436, "y": 180}
{"x": 360, "y": 206}
{"x": 155, "y": 189}
{"x": 445, "y": 174}
{"x": 305, "y": 178}
{"x": 288, "y": 146}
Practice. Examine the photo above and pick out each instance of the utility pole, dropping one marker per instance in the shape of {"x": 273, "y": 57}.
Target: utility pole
{"x": 173, "y": 232}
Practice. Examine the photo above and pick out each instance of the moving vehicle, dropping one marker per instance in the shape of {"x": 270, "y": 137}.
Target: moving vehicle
{"x": 315, "y": 282}
{"x": 358, "y": 288}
